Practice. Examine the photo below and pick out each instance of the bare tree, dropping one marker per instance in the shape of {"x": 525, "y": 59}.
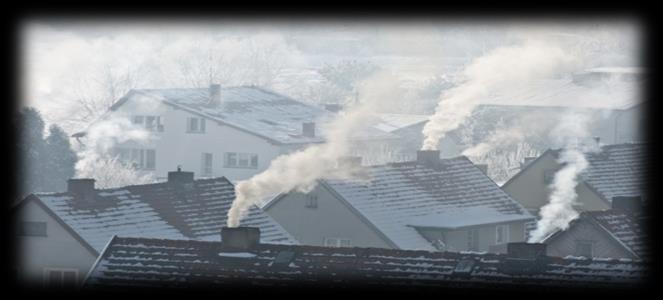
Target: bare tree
{"x": 109, "y": 172}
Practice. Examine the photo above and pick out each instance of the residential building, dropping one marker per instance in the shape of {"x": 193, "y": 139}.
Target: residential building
{"x": 428, "y": 204}
{"x": 60, "y": 235}
{"x": 614, "y": 170}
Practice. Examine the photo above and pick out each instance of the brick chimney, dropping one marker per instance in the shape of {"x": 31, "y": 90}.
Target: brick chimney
{"x": 632, "y": 204}
{"x": 429, "y": 158}
{"x": 240, "y": 238}
{"x": 180, "y": 177}
{"x": 82, "y": 188}
{"x": 308, "y": 129}
{"x": 214, "y": 94}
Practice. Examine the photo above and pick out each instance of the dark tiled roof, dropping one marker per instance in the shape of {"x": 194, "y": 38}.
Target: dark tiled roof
{"x": 159, "y": 210}
{"x": 626, "y": 228}
{"x": 618, "y": 170}
{"x": 398, "y": 195}
{"x": 173, "y": 263}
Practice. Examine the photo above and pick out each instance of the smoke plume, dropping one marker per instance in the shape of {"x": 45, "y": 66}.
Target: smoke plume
{"x": 502, "y": 68}
{"x": 299, "y": 171}
{"x": 559, "y": 212}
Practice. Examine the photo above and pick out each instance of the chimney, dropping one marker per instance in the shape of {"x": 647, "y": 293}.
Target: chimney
{"x": 180, "y": 177}
{"x": 483, "y": 168}
{"x": 240, "y": 238}
{"x": 349, "y": 161}
{"x": 525, "y": 251}
{"x": 429, "y": 158}
{"x": 82, "y": 188}
{"x": 597, "y": 139}
{"x": 632, "y": 204}
{"x": 308, "y": 129}
{"x": 214, "y": 94}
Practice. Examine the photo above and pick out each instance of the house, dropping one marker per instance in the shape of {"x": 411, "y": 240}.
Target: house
{"x": 611, "y": 99}
{"x": 408, "y": 130}
{"x": 615, "y": 170}
{"x": 618, "y": 232}
{"x": 236, "y": 131}
{"x": 428, "y": 204}
{"x": 60, "y": 235}
{"x": 239, "y": 260}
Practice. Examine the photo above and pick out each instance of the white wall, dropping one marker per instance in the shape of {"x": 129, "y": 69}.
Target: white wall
{"x": 174, "y": 146}
{"x": 59, "y": 249}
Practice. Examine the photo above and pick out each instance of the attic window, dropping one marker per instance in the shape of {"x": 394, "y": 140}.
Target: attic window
{"x": 32, "y": 229}
{"x": 311, "y": 201}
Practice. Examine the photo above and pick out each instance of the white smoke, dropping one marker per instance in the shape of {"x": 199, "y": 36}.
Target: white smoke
{"x": 559, "y": 211}
{"x": 503, "y": 68}
{"x": 573, "y": 132}
{"x": 501, "y": 138}
{"x": 300, "y": 171}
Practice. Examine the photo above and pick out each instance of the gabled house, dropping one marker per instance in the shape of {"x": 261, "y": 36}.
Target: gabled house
{"x": 615, "y": 170}
{"x": 60, "y": 235}
{"x": 614, "y": 233}
{"x": 233, "y": 132}
{"x": 428, "y": 204}
{"x": 240, "y": 261}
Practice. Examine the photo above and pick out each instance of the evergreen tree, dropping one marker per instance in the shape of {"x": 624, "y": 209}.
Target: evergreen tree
{"x": 60, "y": 160}
{"x": 30, "y": 149}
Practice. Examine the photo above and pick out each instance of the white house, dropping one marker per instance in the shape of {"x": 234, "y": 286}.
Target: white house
{"x": 233, "y": 132}
{"x": 428, "y": 204}
{"x": 60, "y": 235}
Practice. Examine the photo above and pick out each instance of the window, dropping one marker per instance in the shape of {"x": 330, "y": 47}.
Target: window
{"x": 337, "y": 242}
{"x": 151, "y": 123}
{"x": 311, "y": 201}
{"x": 584, "y": 248}
{"x": 473, "y": 240}
{"x": 241, "y": 160}
{"x": 206, "y": 169}
{"x": 140, "y": 159}
{"x": 195, "y": 125}
{"x": 60, "y": 277}
{"x": 501, "y": 234}
{"x": 32, "y": 229}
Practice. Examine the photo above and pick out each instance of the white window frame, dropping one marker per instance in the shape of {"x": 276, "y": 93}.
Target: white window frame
{"x": 47, "y": 276}
{"x": 156, "y": 125}
{"x": 249, "y": 158}
{"x": 336, "y": 242}
{"x": 137, "y": 157}
{"x": 200, "y": 125}
{"x": 506, "y": 234}
{"x": 207, "y": 170}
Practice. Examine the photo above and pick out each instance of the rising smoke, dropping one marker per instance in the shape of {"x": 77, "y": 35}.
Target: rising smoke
{"x": 503, "y": 68}
{"x": 573, "y": 132}
{"x": 301, "y": 170}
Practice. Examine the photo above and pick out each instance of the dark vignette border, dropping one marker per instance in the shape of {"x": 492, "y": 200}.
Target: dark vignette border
{"x": 556, "y": 12}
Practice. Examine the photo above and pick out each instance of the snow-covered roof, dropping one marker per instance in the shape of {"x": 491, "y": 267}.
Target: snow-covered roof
{"x": 159, "y": 210}
{"x": 144, "y": 262}
{"x": 466, "y": 216}
{"x": 393, "y": 122}
{"x": 398, "y": 193}
{"x": 618, "y": 170}
{"x": 261, "y": 112}
{"x": 626, "y": 228}
{"x": 612, "y": 94}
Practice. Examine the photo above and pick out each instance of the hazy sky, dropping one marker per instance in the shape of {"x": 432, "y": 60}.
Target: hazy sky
{"x": 67, "y": 61}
